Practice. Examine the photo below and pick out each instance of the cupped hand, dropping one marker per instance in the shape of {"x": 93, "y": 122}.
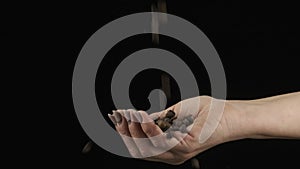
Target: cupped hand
{"x": 144, "y": 139}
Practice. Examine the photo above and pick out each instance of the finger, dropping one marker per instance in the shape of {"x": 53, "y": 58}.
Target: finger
{"x": 176, "y": 109}
{"x": 134, "y": 126}
{"x": 123, "y": 130}
{"x": 126, "y": 115}
{"x": 184, "y": 145}
{"x": 148, "y": 125}
{"x": 152, "y": 131}
{"x": 178, "y": 135}
{"x": 112, "y": 118}
{"x": 139, "y": 137}
{"x": 186, "y": 107}
{"x": 172, "y": 108}
{"x": 155, "y": 116}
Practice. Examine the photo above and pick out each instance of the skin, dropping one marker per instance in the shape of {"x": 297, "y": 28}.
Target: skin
{"x": 271, "y": 117}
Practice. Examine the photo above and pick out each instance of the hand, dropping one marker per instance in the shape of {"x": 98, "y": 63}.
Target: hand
{"x": 144, "y": 139}
{"x": 272, "y": 117}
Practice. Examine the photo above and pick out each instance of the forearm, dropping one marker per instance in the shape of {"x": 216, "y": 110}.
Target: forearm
{"x": 272, "y": 117}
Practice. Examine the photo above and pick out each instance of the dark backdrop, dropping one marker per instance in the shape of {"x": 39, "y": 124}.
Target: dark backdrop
{"x": 257, "y": 43}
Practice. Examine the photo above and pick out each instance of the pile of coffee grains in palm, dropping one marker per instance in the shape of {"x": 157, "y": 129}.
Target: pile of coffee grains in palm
{"x": 171, "y": 123}
{"x": 166, "y": 122}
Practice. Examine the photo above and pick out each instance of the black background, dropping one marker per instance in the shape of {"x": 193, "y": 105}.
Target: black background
{"x": 257, "y": 43}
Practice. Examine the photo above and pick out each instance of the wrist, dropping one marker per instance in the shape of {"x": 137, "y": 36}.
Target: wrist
{"x": 272, "y": 117}
{"x": 242, "y": 120}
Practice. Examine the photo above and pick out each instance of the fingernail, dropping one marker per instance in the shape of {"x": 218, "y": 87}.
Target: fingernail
{"x": 122, "y": 112}
{"x": 146, "y": 119}
{"x": 112, "y": 118}
{"x": 139, "y": 117}
{"x": 135, "y": 116}
{"x": 127, "y": 116}
{"x": 118, "y": 117}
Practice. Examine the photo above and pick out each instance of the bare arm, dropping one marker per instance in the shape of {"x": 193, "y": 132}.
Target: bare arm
{"x": 271, "y": 117}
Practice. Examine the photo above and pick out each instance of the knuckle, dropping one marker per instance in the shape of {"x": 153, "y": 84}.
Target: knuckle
{"x": 147, "y": 130}
{"x": 189, "y": 140}
{"x": 122, "y": 131}
{"x": 133, "y": 133}
{"x": 132, "y": 128}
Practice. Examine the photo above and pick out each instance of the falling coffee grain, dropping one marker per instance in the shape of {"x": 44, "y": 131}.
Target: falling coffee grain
{"x": 87, "y": 148}
{"x": 170, "y": 121}
{"x": 195, "y": 163}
